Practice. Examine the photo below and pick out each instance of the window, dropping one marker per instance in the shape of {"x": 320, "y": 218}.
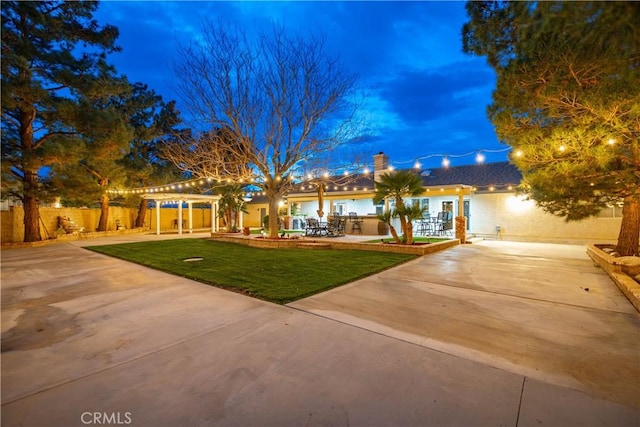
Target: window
{"x": 421, "y": 203}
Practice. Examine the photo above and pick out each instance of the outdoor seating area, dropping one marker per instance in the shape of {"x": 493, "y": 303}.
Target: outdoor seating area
{"x": 334, "y": 227}
{"x": 440, "y": 225}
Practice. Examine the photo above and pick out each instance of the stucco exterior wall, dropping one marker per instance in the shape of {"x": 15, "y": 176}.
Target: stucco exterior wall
{"x": 12, "y": 225}
{"x": 253, "y": 218}
{"x": 7, "y": 226}
{"x": 522, "y": 220}
{"x": 518, "y": 219}
{"x": 201, "y": 217}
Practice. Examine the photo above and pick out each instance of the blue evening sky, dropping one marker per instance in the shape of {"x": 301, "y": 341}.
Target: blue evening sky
{"x": 424, "y": 94}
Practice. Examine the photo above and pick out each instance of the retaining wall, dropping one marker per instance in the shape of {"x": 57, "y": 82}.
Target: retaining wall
{"x": 619, "y": 273}
{"x": 333, "y": 244}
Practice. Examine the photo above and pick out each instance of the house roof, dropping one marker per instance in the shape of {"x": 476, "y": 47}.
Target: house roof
{"x": 482, "y": 175}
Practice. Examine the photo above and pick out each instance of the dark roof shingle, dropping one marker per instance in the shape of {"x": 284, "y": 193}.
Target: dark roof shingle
{"x": 500, "y": 173}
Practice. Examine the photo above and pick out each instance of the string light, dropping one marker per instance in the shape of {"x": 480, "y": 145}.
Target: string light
{"x": 188, "y": 184}
{"x": 446, "y": 163}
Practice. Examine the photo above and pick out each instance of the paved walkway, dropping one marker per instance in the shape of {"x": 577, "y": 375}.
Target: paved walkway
{"x": 487, "y": 334}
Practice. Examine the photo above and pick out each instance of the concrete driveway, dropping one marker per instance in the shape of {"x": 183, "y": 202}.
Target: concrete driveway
{"x": 540, "y": 310}
{"x": 489, "y": 334}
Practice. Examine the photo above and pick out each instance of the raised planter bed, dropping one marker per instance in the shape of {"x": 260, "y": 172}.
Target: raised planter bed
{"x": 259, "y": 242}
{"x": 622, "y": 271}
{"x": 313, "y": 245}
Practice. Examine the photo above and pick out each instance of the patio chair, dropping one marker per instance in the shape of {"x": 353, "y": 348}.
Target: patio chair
{"x": 356, "y": 223}
{"x": 315, "y": 228}
{"x": 424, "y": 227}
{"x": 444, "y": 224}
{"x": 438, "y": 224}
{"x": 447, "y": 224}
{"x": 312, "y": 227}
{"x": 336, "y": 226}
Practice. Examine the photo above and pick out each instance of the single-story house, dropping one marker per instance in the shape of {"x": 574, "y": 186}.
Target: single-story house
{"x": 484, "y": 193}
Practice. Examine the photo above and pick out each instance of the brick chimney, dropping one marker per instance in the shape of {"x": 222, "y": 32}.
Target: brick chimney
{"x": 380, "y": 165}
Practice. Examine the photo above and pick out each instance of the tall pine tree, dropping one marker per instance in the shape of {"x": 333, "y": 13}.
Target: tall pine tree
{"x": 94, "y": 161}
{"x": 53, "y": 61}
{"x": 568, "y": 101}
{"x": 153, "y": 122}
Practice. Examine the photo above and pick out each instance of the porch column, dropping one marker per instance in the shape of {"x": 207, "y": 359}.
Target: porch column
{"x": 190, "y": 210}
{"x": 158, "y": 205}
{"x": 179, "y": 216}
{"x": 213, "y": 216}
{"x": 214, "y": 219}
{"x": 461, "y": 220}
{"x": 241, "y": 219}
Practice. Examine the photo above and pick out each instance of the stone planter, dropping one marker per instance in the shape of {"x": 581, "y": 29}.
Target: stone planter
{"x": 461, "y": 229}
{"x": 622, "y": 271}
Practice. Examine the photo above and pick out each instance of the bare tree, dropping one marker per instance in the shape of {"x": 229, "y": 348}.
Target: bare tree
{"x": 265, "y": 106}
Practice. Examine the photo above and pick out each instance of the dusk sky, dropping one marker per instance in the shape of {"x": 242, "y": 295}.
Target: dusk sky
{"x": 424, "y": 94}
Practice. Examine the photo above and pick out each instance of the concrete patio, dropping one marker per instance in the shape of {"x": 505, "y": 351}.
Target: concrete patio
{"x": 489, "y": 334}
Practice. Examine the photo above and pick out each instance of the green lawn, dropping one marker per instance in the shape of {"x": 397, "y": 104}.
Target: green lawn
{"x": 277, "y": 275}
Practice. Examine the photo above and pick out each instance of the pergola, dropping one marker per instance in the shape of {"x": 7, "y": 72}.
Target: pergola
{"x": 189, "y": 199}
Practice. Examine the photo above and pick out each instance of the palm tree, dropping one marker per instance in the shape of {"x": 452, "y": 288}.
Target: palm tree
{"x": 395, "y": 186}
{"x": 411, "y": 213}
{"x": 231, "y": 204}
{"x": 387, "y": 218}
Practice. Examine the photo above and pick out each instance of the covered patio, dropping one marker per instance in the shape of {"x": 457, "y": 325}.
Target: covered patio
{"x": 358, "y": 204}
{"x": 189, "y": 199}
